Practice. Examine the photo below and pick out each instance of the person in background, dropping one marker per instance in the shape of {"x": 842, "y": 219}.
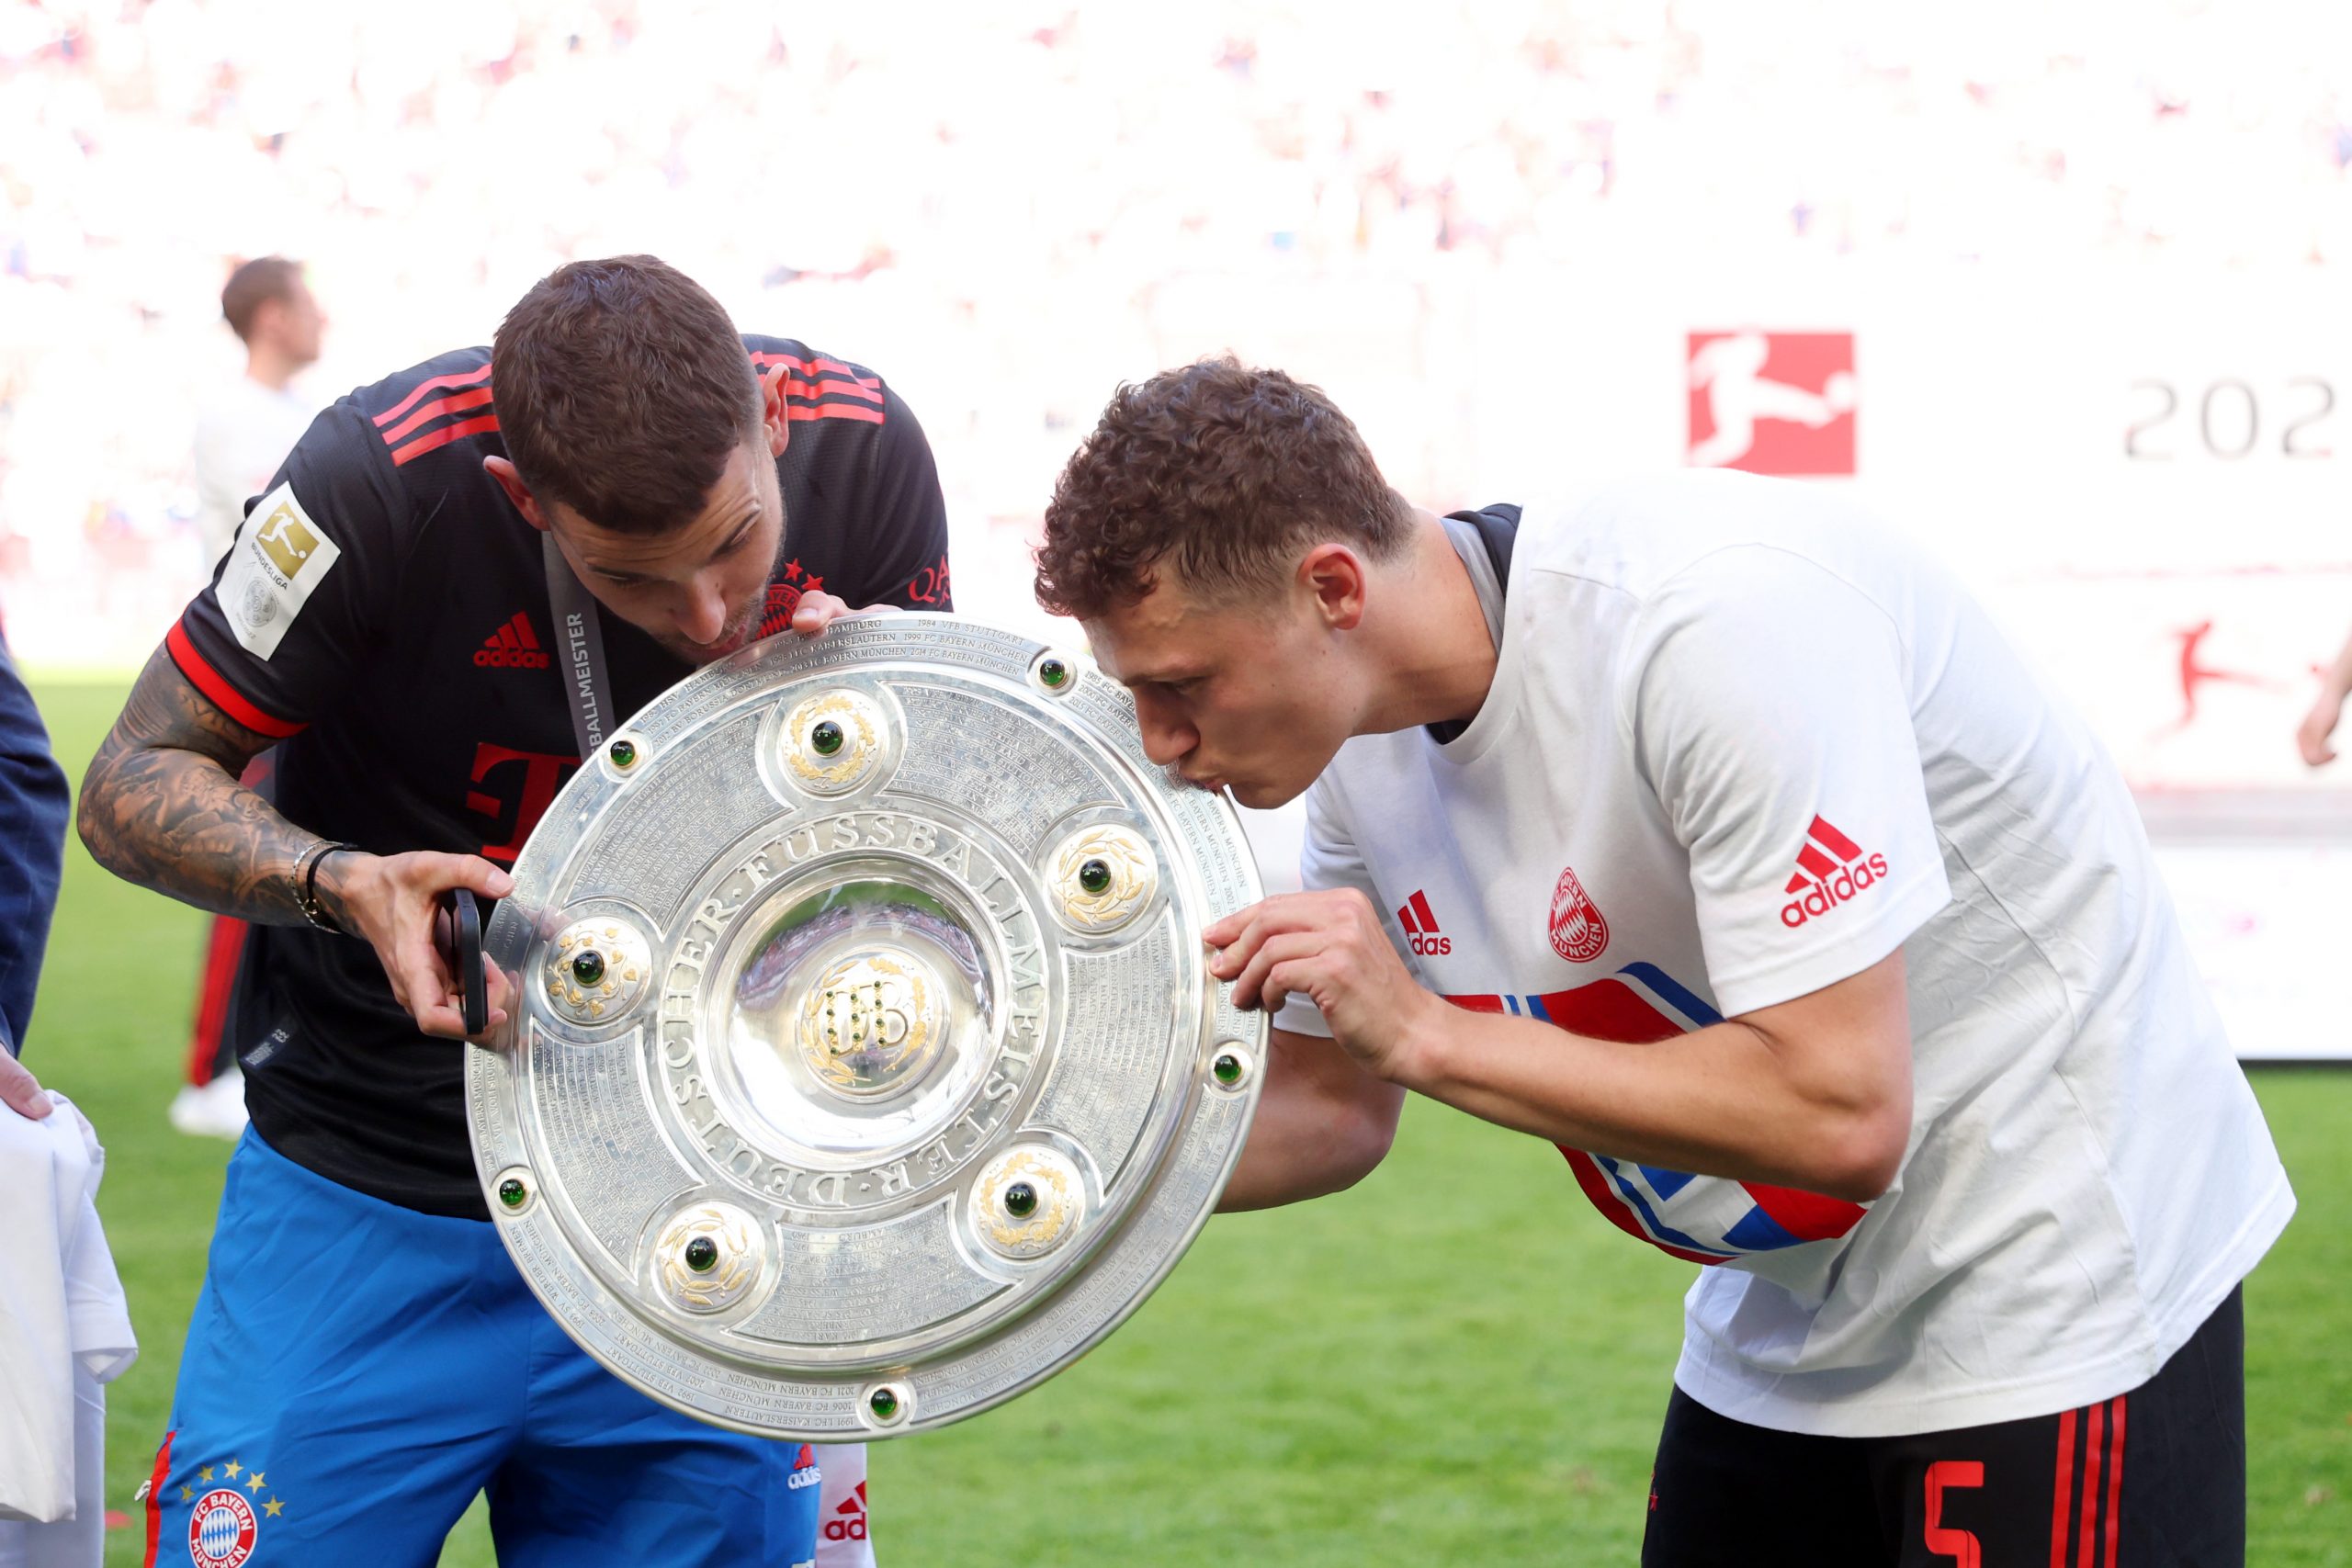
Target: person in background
{"x": 64, "y": 1329}
{"x": 250, "y": 423}
{"x": 33, "y": 804}
{"x": 2312, "y": 736}
{"x": 241, "y": 436}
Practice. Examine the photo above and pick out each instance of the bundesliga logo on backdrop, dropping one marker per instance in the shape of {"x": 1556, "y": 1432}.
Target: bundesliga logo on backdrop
{"x": 1772, "y": 402}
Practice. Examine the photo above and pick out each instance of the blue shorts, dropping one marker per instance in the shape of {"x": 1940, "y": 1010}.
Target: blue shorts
{"x": 355, "y": 1372}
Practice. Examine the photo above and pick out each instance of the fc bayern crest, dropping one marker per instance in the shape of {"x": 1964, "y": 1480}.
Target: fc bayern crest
{"x": 221, "y": 1530}
{"x": 1579, "y": 933}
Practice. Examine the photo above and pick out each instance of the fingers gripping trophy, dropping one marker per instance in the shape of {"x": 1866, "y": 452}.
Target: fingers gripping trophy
{"x": 865, "y": 1067}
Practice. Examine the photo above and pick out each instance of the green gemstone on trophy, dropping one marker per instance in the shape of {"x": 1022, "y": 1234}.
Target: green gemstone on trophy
{"x": 588, "y": 966}
{"x": 1227, "y": 1068}
{"x": 1053, "y": 673}
{"x": 883, "y": 1402}
{"x": 1095, "y": 875}
{"x": 826, "y": 738}
{"x": 624, "y": 753}
{"x": 702, "y": 1255}
{"x": 1020, "y": 1199}
{"x": 511, "y": 1192}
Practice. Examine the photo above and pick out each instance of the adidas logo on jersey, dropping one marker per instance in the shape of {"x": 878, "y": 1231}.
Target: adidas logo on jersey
{"x": 1822, "y": 884}
{"x": 848, "y": 1522}
{"x": 1420, "y": 927}
{"x": 805, "y": 1469}
{"x": 511, "y": 647}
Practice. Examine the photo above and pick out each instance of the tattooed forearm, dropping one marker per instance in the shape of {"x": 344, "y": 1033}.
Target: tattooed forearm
{"x": 161, "y": 805}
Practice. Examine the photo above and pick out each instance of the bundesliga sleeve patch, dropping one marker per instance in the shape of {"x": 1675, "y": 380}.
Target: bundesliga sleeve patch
{"x": 278, "y": 561}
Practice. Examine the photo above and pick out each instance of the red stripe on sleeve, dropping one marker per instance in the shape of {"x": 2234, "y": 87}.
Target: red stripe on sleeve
{"x": 1420, "y": 902}
{"x": 798, "y": 388}
{"x": 818, "y": 366}
{"x": 1820, "y": 866}
{"x": 462, "y": 379}
{"x": 434, "y": 411}
{"x": 224, "y": 697}
{"x": 833, "y": 411}
{"x": 1839, "y": 845}
{"x": 442, "y": 437}
{"x": 2062, "y": 1489}
{"x": 839, "y": 368}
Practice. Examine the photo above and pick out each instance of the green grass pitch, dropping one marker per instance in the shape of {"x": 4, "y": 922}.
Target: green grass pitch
{"x": 1458, "y": 1361}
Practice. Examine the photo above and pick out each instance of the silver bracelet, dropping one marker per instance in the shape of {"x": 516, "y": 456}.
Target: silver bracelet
{"x": 305, "y": 878}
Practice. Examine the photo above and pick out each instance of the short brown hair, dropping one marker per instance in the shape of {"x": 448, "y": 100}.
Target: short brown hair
{"x": 254, "y": 285}
{"x": 1223, "y": 473}
{"x": 622, "y": 389}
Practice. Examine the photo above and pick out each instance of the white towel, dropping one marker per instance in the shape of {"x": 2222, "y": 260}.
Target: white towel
{"x": 64, "y": 1329}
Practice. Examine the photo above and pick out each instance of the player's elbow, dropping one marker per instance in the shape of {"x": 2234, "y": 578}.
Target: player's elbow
{"x": 1860, "y": 1151}
{"x": 1351, "y": 1135}
{"x": 91, "y": 809}
{"x": 1362, "y": 1137}
{"x": 1303, "y": 1150}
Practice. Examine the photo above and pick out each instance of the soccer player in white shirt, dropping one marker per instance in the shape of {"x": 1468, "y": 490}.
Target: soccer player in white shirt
{"x": 248, "y": 425}
{"x": 243, "y": 433}
{"x": 1765, "y": 881}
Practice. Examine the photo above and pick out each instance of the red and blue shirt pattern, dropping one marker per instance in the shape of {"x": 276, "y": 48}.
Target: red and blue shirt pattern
{"x": 1706, "y": 1222}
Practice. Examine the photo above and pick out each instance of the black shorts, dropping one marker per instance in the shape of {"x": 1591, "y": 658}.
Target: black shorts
{"x": 2155, "y": 1478}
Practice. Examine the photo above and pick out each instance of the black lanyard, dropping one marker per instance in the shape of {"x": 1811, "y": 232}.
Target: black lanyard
{"x": 585, "y": 674}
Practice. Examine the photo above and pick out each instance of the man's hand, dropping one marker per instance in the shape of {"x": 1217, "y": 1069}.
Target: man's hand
{"x": 20, "y": 1091}
{"x": 1329, "y": 947}
{"x": 817, "y": 611}
{"x": 2317, "y": 725}
{"x": 393, "y": 903}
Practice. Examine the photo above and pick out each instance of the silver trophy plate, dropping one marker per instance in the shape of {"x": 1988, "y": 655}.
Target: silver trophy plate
{"x": 866, "y": 1068}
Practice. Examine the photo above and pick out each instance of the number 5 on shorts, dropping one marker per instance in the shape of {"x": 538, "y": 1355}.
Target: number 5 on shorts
{"x": 1944, "y": 1541}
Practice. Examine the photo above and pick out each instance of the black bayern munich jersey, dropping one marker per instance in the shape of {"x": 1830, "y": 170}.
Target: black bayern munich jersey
{"x": 385, "y": 611}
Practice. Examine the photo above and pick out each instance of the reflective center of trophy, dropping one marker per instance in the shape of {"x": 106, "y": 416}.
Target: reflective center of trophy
{"x": 871, "y": 1023}
{"x": 857, "y": 1016}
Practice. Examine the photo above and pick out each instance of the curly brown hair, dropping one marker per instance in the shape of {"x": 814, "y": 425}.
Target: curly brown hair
{"x": 622, "y": 390}
{"x": 1221, "y": 473}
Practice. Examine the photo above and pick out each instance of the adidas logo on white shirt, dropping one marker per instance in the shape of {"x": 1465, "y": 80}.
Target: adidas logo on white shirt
{"x": 1420, "y": 927}
{"x": 1822, "y": 884}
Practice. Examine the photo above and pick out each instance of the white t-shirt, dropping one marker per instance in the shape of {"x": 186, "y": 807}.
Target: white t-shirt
{"x": 241, "y": 436}
{"x": 1741, "y": 743}
{"x": 62, "y": 1319}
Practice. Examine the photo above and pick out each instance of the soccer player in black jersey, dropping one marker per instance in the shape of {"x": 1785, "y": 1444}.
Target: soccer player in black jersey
{"x": 462, "y": 579}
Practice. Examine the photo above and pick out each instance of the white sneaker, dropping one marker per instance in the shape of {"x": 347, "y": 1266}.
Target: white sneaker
{"x": 217, "y": 1110}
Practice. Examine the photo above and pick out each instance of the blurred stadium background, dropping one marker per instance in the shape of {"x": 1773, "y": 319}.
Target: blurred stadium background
{"x": 2059, "y": 287}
